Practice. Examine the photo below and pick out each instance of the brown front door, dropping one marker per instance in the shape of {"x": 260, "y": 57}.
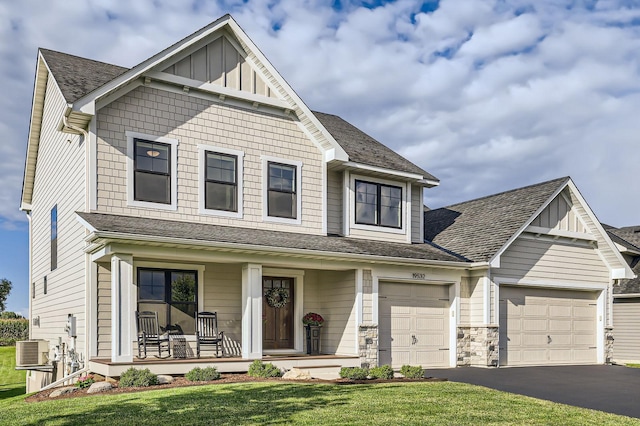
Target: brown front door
{"x": 277, "y": 312}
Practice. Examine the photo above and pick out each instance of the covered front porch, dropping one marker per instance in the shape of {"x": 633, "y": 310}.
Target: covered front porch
{"x": 254, "y": 326}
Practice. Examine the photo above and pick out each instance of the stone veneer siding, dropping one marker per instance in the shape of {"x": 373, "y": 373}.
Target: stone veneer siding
{"x": 608, "y": 345}
{"x": 477, "y": 346}
{"x": 368, "y": 345}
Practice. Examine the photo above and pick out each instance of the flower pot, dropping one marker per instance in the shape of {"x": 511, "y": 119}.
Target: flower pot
{"x": 313, "y": 339}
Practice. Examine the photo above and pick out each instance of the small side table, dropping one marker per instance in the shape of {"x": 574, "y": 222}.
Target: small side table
{"x": 313, "y": 339}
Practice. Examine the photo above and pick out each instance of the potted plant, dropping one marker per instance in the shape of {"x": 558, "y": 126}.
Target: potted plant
{"x": 313, "y": 326}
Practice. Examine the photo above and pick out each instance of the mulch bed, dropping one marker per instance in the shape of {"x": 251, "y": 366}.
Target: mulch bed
{"x": 225, "y": 378}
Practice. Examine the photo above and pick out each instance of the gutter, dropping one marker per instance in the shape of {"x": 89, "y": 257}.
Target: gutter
{"x": 65, "y": 121}
{"x": 114, "y": 236}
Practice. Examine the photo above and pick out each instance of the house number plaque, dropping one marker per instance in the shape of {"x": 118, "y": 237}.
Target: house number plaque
{"x": 419, "y": 276}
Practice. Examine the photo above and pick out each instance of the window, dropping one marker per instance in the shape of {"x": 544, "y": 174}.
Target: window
{"x": 152, "y": 164}
{"x": 152, "y": 171}
{"x": 281, "y": 193}
{"x": 221, "y": 186}
{"x": 54, "y": 237}
{"x": 171, "y": 293}
{"x": 378, "y": 204}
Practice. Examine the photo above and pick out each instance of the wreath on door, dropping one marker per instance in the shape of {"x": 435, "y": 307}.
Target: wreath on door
{"x": 277, "y": 297}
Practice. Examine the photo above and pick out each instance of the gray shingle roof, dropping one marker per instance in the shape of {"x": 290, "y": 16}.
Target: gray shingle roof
{"x": 628, "y": 237}
{"x": 144, "y": 227}
{"x": 78, "y": 76}
{"x": 362, "y": 148}
{"x": 477, "y": 229}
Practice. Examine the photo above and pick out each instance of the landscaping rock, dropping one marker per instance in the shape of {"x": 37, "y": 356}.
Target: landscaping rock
{"x": 62, "y": 391}
{"x": 297, "y": 374}
{"x": 100, "y": 387}
{"x": 164, "y": 379}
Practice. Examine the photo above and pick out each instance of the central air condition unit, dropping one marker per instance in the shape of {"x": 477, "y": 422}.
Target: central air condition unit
{"x": 31, "y": 353}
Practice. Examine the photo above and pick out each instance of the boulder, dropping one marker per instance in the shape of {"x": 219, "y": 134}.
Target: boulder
{"x": 100, "y": 387}
{"x": 164, "y": 379}
{"x": 62, "y": 391}
{"x": 297, "y": 374}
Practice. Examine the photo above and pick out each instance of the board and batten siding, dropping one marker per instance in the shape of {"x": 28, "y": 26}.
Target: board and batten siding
{"x": 538, "y": 259}
{"x": 193, "y": 121}
{"x": 59, "y": 180}
{"x": 367, "y": 296}
{"x": 103, "y": 330}
{"x": 335, "y": 212}
{"x": 471, "y": 301}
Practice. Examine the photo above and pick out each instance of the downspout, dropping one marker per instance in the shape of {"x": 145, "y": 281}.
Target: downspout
{"x": 66, "y": 123}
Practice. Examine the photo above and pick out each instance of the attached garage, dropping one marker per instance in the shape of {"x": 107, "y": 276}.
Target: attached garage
{"x": 540, "y": 326}
{"x": 626, "y": 329}
{"x": 414, "y": 324}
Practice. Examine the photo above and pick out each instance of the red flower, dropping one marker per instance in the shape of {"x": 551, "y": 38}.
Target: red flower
{"x": 312, "y": 319}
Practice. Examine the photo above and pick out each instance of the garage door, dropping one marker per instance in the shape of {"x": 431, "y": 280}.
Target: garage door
{"x": 546, "y": 327}
{"x": 414, "y": 325}
{"x": 626, "y": 329}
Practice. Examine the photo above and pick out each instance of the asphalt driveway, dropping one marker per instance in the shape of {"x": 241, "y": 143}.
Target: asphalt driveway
{"x": 609, "y": 388}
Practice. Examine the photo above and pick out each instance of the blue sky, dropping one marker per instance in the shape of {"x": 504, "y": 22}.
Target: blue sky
{"x": 486, "y": 95}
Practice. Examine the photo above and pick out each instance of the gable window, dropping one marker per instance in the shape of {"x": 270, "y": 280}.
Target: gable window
{"x": 54, "y": 237}
{"x": 221, "y": 186}
{"x": 151, "y": 171}
{"x": 281, "y": 192}
{"x": 170, "y": 293}
{"x": 378, "y": 204}
{"x": 152, "y": 175}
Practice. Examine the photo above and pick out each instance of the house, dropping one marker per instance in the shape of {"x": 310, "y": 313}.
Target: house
{"x": 545, "y": 297}
{"x": 626, "y": 297}
{"x": 199, "y": 181}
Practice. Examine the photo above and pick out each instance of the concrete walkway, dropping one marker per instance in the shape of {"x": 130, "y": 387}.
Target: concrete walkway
{"x": 609, "y": 388}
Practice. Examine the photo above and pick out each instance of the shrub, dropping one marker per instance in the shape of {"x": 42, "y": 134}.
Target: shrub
{"x": 202, "y": 374}
{"x": 354, "y": 373}
{"x": 12, "y": 330}
{"x": 259, "y": 369}
{"x": 382, "y": 372}
{"x": 412, "y": 372}
{"x": 133, "y": 378}
{"x": 85, "y": 381}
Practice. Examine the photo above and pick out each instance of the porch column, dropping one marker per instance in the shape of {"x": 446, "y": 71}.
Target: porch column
{"x": 251, "y": 311}
{"x": 123, "y": 306}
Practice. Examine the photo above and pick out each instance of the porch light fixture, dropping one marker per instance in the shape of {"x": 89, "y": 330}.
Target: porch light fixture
{"x": 153, "y": 153}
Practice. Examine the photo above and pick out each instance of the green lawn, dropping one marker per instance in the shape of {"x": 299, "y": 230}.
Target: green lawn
{"x": 313, "y": 404}
{"x": 12, "y": 382}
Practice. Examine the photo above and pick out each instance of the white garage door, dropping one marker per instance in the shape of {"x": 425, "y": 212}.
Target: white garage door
{"x": 414, "y": 325}
{"x": 546, "y": 327}
{"x": 626, "y": 329}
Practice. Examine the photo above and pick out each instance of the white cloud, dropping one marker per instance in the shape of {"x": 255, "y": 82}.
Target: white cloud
{"x": 485, "y": 95}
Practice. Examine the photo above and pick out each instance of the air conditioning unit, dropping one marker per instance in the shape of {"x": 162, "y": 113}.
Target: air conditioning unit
{"x": 31, "y": 353}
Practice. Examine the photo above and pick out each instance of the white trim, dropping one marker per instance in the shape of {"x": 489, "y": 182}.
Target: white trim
{"x": 324, "y": 207}
{"x": 91, "y": 303}
{"x": 421, "y": 238}
{"x": 626, "y": 296}
{"x": 130, "y": 171}
{"x": 408, "y": 214}
{"x": 381, "y": 229}
{"x": 551, "y": 284}
{"x": 486, "y": 294}
{"x": 454, "y": 321}
{"x": 298, "y": 305}
{"x": 266, "y": 159}
{"x": 382, "y": 170}
{"x": 346, "y": 196}
{"x": 359, "y": 306}
{"x": 239, "y": 180}
{"x": 375, "y": 299}
{"x": 251, "y": 336}
{"x": 124, "y": 299}
{"x": 600, "y": 324}
{"x": 92, "y": 177}
{"x": 539, "y": 230}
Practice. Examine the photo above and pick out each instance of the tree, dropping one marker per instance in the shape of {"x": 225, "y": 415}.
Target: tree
{"x": 10, "y": 315}
{"x": 5, "y": 289}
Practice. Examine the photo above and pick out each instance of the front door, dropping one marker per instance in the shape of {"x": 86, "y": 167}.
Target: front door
{"x": 277, "y": 313}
